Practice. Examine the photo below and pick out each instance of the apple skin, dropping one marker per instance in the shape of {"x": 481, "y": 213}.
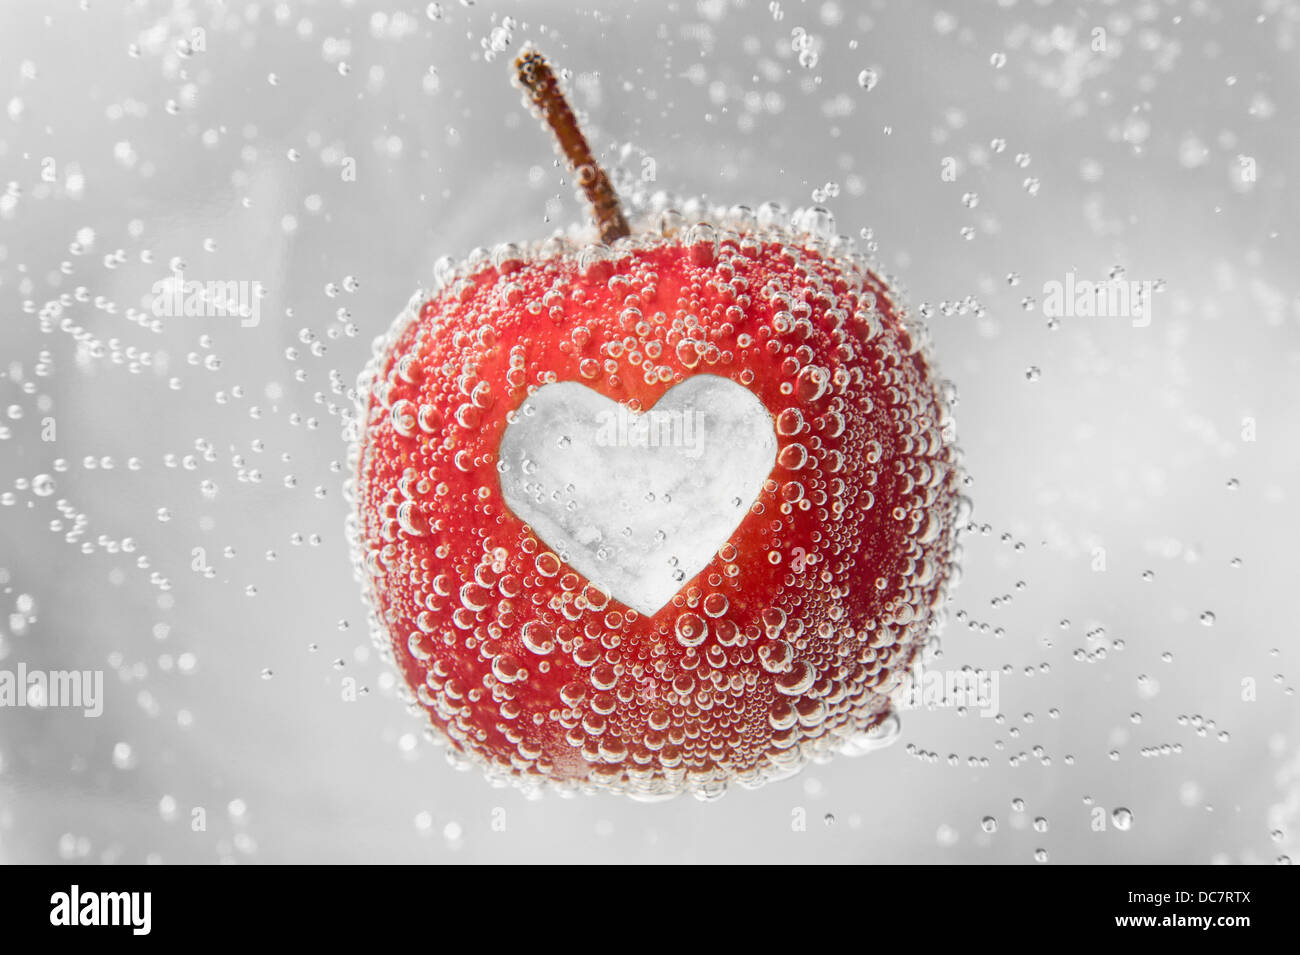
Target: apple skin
{"x": 831, "y": 583}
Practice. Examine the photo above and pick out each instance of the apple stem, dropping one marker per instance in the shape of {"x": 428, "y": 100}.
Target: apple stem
{"x": 539, "y": 82}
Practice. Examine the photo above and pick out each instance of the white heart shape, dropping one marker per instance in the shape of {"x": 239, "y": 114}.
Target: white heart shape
{"x": 637, "y": 503}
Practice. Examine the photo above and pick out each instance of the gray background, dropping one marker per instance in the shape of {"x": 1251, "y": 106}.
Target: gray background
{"x": 1127, "y": 440}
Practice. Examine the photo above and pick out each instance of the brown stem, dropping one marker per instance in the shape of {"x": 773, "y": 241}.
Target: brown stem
{"x": 539, "y": 83}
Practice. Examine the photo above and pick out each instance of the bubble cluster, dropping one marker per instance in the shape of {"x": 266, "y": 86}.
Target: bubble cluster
{"x": 788, "y": 644}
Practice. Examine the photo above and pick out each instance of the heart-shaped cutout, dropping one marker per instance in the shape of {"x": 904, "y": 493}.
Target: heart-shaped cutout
{"x": 637, "y": 503}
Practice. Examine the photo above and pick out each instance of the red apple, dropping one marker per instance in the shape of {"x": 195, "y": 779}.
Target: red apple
{"x": 584, "y": 587}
